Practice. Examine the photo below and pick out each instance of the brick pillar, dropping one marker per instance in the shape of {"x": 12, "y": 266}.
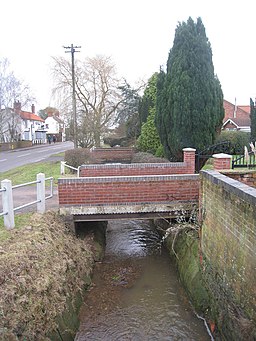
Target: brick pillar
{"x": 221, "y": 161}
{"x": 189, "y": 156}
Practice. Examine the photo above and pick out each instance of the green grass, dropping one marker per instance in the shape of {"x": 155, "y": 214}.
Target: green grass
{"x": 21, "y": 220}
{"x": 28, "y": 173}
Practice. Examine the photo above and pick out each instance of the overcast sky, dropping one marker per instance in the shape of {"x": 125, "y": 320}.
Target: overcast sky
{"x": 137, "y": 34}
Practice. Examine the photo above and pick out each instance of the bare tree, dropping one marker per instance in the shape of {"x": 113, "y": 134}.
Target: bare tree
{"x": 97, "y": 96}
{"x": 11, "y": 90}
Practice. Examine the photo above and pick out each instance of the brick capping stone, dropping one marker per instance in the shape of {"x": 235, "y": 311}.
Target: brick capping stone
{"x": 221, "y": 161}
{"x": 131, "y": 178}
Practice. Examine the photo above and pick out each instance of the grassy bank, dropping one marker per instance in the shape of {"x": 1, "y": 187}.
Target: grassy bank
{"x": 28, "y": 173}
{"x": 43, "y": 266}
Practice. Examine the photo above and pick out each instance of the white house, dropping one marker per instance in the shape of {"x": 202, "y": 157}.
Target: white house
{"x": 19, "y": 125}
{"x": 55, "y": 126}
{"x": 32, "y": 125}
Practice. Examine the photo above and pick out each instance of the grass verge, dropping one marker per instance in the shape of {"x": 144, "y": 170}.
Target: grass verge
{"x": 29, "y": 172}
{"x": 21, "y": 220}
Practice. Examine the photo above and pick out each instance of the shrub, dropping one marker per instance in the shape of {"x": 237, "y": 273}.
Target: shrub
{"x": 160, "y": 151}
{"x": 149, "y": 140}
{"x": 77, "y": 157}
{"x": 237, "y": 139}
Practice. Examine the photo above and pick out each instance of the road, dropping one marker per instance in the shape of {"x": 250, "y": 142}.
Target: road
{"x": 38, "y": 153}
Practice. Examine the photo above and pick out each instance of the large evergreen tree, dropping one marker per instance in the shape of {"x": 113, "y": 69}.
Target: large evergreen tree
{"x": 149, "y": 140}
{"x": 148, "y": 100}
{"x": 253, "y": 120}
{"x": 189, "y": 106}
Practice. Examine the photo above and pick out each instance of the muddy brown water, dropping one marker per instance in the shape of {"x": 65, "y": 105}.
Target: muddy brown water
{"x": 136, "y": 294}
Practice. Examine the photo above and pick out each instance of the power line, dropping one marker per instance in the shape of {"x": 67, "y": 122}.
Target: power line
{"x": 72, "y": 49}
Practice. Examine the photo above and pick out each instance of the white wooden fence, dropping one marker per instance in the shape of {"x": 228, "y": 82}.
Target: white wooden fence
{"x": 63, "y": 164}
{"x": 7, "y": 198}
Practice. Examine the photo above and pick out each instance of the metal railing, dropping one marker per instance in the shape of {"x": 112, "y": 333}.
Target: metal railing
{"x": 7, "y": 198}
{"x": 63, "y": 164}
{"x": 242, "y": 161}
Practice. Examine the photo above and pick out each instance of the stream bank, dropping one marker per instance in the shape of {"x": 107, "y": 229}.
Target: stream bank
{"x": 226, "y": 322}
{"x": 45, "y": 271}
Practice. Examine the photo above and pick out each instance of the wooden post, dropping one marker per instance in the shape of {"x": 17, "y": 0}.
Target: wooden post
{"x": 41, "y": 192}
{"x": 7, "y": 199}
{"x": 62, "y": 167}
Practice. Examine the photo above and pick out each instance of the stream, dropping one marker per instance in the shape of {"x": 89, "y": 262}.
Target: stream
{"x": 136, "y": 294}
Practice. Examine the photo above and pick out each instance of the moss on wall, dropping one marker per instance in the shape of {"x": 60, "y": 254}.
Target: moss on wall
{"x": 186, "y": 247}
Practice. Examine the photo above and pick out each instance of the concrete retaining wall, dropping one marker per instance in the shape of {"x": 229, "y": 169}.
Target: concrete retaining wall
{"x": 228, "y": 214}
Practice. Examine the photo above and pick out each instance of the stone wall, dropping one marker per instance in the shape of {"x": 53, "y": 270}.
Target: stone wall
{"x": 228, "y": 239}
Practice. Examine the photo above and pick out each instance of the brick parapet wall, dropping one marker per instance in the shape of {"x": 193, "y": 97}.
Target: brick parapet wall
{"x": 115, "y": 154}
{"x": 228, "y": 213}
{"x": 128, "y": 189}
{"x": 247, "y": 177}
{"x": 134, "y": 169}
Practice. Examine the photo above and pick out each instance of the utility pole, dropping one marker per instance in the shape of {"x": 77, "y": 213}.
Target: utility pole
{"x": 72, "y": 50}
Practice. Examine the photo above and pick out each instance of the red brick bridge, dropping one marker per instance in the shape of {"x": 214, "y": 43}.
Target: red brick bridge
{"x": 139, "y": 190}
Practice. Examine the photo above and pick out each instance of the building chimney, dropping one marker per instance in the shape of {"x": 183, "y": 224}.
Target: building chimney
{"x": 17, "y": 106}
{"x": 33, "y": 108}
{"x": 235, "y": 109}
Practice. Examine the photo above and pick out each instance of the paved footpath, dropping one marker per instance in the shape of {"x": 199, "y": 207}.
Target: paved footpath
{"x": 24, "y": 195}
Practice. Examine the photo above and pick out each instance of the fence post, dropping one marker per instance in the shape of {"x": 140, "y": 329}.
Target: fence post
{"x": 62, "y": 167}
{"x": 7, "y": 200}
{"x": 40, "y": 192}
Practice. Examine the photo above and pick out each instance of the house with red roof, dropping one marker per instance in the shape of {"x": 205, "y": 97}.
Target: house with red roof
{"x": 32, "y": 125}
{"x": 20, "y": 125}
{"x": 237, "y": 117}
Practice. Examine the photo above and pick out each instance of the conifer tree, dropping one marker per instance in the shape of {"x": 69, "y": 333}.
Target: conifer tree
{"x": 149, "y": 140}
{"x": 189, "y": 105}
{"x": 253, "y": 120}
{"x": 148, "y": 100}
